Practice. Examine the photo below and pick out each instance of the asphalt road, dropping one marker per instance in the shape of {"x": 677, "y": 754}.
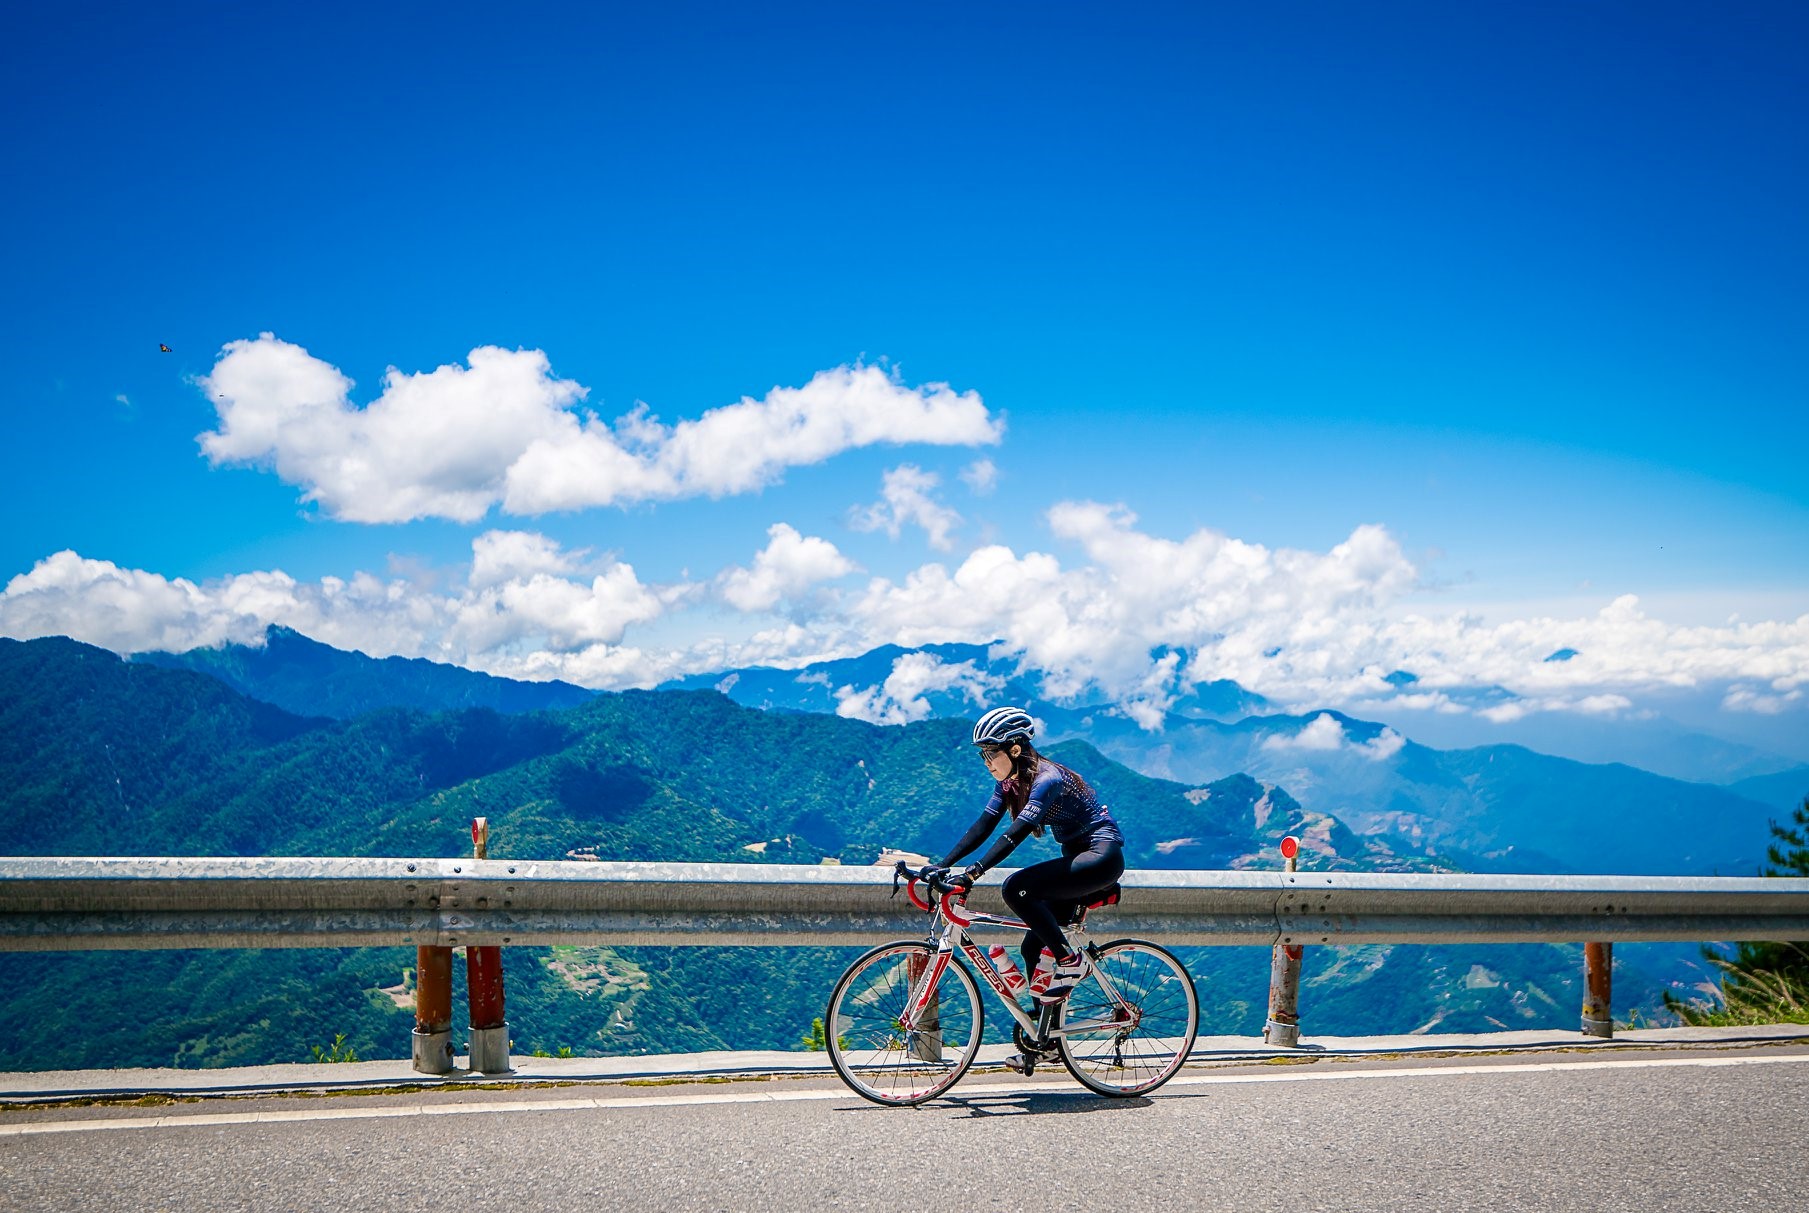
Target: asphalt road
{"x": 1698, "y": 1130}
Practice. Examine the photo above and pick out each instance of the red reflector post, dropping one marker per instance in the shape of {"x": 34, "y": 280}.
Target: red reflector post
{"x": 1282, "y": 1028}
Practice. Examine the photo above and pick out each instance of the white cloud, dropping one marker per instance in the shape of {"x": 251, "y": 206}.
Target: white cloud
{"x": 435, "y": 444}
{"x": 1621, "y": 648}
{"x": 1432, "y": 701}
{"x": 1236, "y": 610}
{"x": 561, "y": 614}
{"x": 1148, "y": 700}
{"x": 127, "y": 610}
{"x": 459, "y": 440}
{"x": 528, "y": 620}
{"x": 1324, "y": 734}
{"x": 1745, "y": 699}
{"x": 981, "y": 476}
{"x": 1605, "y": 704}
{"x": 906, "y": 500}
{"x": 499, "y": 556}
{"x": 1383, "y": 745}
{"x": 1121, "y": 614}
{"x": 1508, "y": 713}
{"x": 1307, "y": 629}
{"x": 789, "y": 564}
{"x": 900, "y": 699}
{"x": 599, "y": 666}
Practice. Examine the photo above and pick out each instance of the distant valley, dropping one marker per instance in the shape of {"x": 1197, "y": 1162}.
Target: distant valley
{"x": 190, "y": 754}
{"x": 1483, "y": 808}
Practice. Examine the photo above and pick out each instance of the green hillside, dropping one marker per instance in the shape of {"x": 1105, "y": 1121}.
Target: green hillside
{"x": 101, "y": 756}
{"x": 305, "y": 676}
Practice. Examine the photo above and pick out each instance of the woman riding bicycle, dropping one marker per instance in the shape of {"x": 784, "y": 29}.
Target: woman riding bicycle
{"x": 1038, "y": 792}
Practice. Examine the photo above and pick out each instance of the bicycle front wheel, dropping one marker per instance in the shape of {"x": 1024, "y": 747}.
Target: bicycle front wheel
{"x": 865, "y": 1031}
{"x": 1129, "y": 1025}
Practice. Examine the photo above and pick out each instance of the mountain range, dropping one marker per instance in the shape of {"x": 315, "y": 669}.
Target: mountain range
{"x": 1483, "y": 808}
{"x": 103, "y": 756}
{"x": 308, "y": 678}
{"x": 1692, "y": 742}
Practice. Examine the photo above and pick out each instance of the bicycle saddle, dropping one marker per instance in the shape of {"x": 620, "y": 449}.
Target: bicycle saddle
{"x": 1074, "y": 912}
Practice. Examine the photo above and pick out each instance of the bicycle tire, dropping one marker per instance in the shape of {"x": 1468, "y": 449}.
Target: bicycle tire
{"x": 861, "y": 1027}
{"x": 1142, "y": 1042}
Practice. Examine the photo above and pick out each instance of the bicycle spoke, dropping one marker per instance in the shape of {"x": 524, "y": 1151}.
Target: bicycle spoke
{"x": 1134, "y": 1037}
{"x": 868, "y": 1042}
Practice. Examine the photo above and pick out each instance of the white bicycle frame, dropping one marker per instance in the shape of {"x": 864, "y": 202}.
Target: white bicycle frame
{"x": 951, "y": 934}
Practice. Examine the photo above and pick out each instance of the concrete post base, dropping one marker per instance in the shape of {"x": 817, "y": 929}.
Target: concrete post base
{"x": 433, "y": 1052}
{"x": 1598, "y": 1027}
{"x": 1281, "y": 1035}
{"x": 490, "y": 1050}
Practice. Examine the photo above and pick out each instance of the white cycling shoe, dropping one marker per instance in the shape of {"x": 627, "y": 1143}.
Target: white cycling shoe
{"x": 1067, "y": 975}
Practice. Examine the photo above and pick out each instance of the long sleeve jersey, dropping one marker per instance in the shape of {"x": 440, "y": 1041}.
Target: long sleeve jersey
{"x": 1059, "y": 799}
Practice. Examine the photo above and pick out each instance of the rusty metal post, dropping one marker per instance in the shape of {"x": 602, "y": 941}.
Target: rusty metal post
{"x": 484, "y": 983}
{"x": 1282, "y": 1029}
{"x": 433, "y": 1010}
{"x": 927, "y": 1044}
{"x": 1598, "y": 990}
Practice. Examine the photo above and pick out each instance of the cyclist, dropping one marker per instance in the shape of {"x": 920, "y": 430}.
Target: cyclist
{"x": 1040, "y": 793}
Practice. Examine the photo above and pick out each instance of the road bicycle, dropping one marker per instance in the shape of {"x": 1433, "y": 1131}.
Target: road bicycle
{"x": 905, "y": 1021}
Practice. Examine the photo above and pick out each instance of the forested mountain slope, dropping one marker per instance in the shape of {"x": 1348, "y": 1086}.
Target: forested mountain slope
{"x": 1486, "y": 808}
{"x": 102, "y": 756}
{"x": 313, "y": 679}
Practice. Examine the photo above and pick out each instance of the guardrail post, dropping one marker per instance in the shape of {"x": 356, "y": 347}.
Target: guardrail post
{"x": 1283, "y": 1026}
{"x": 484, "y": 983}
{"x": 433, "y": 1010}
{"x": 927, "y": 1045}
{"x": 1598, "y": 990}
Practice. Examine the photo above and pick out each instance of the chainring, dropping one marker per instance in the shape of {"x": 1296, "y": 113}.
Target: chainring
{"x": 1029, "y": 1048}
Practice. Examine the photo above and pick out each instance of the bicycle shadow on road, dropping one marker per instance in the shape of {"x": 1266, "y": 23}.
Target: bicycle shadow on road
{"x": 1041, "y": 1104}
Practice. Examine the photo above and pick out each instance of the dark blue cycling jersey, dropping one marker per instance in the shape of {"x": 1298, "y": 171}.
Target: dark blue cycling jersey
{"x": 1059, "y": 799}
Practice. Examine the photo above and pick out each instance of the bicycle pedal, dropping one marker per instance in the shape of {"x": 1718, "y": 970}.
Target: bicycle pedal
{"x": 1019, "y": 1063}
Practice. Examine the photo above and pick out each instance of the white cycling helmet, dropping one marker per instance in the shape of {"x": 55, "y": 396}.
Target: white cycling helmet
{"x": 1002, "y": 726}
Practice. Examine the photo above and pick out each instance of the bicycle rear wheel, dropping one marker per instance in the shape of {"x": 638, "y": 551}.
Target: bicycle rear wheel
{"x": 1129, "y": 1026}
{"x": 865, "y": 1034}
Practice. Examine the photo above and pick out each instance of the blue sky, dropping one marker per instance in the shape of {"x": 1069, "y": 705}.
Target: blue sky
{"x": 1522, "y": 285}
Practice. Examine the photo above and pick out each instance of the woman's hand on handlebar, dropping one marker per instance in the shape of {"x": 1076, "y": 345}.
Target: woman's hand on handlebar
{"x": 936, "y": 879}
{"x": 942, "y": 879}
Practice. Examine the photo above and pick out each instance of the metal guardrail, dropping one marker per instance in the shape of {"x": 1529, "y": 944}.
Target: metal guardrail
{"x": 80, "y": 904}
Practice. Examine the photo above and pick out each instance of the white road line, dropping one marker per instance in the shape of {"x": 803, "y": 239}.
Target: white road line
{"x": 205, "y": 1120}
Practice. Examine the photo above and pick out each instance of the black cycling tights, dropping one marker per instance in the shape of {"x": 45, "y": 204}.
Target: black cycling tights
{"x": 1092, "y": 866}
